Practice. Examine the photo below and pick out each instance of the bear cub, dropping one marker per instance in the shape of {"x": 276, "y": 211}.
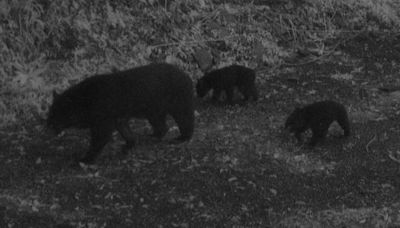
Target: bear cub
{"x": 317, "y": 117}
{"x": 104, "y": 103}
{"x": 226, "y": 79}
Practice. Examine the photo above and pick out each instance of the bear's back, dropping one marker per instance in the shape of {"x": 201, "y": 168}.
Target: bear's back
{"x": 132, "y": 92}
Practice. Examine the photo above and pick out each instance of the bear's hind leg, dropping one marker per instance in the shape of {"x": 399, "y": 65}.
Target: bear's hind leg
{"x": 184, "y": 118}
{"x": 249, "y": 91}
{"x": 100, "y": 135}
{"x": 319, "y": 131}
{"x": 159, "y": 125}
{"x": 123, "y": 128}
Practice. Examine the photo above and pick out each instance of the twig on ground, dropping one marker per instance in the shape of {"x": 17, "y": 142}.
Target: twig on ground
{"x": 390, "y": 154}
{"x": 369, "y": 143}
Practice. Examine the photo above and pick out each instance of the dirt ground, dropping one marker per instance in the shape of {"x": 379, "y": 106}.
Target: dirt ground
{"x": 240, "y": 169}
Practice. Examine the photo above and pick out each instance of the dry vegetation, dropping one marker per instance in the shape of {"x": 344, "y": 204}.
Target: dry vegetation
{"x": 47, "y": 45}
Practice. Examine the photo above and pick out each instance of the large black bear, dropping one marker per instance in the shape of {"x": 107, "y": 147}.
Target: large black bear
{"x": 106, "y": 102}
{"x": 318, "y": 117}
{"x": 226, "y": 79}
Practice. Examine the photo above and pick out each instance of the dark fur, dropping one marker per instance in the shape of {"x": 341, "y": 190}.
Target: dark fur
{"x": 104, "y": 103}
{"x": 317, "y": 117}
{"x": 225, "y": 79}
